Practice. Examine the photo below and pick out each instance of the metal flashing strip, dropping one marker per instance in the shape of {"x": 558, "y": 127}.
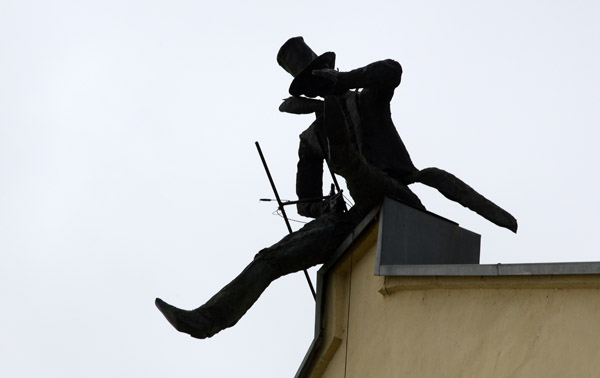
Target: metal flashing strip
{"x": 462, "y": 270}
{"x": 304, "y": 369}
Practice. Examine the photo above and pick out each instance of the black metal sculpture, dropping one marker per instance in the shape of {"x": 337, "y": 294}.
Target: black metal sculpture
{"x": 354, "y": 132}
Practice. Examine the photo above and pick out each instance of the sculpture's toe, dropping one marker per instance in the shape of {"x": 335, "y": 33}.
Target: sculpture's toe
{"x": 170, "y": 312}
{"x": 195, "y": 323}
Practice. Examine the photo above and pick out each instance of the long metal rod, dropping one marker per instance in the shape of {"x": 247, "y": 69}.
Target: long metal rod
{"x": 303, "y": 200}
{"x": 287, "y": 222}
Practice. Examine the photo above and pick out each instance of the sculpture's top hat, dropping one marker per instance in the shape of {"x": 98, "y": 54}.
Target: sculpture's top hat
{"x": 299, "y": 61}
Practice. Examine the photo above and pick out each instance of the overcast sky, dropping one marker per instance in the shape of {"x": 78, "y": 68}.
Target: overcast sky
{"x": 128, "y": 168}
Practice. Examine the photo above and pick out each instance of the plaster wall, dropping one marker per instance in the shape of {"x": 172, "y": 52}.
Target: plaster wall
{"x": 507, "y": 326}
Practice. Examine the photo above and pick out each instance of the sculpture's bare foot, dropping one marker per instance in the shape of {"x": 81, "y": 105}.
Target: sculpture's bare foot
{"x": 196, "y": 323}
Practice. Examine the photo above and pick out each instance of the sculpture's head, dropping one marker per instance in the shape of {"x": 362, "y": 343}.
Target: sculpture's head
{"x": 299, "y": 61}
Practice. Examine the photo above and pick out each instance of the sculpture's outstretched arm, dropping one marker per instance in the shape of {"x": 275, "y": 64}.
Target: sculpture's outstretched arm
{"x": 378, "y": 75}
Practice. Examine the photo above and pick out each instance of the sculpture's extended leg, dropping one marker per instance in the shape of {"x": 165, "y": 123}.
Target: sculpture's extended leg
{"x": 456, "y": 190}
{"x": 309, "y": 246}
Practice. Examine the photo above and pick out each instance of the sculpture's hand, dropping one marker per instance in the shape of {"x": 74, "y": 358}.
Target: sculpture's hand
{"x": 301, "y": 105}
{"x": 336, "y": 201}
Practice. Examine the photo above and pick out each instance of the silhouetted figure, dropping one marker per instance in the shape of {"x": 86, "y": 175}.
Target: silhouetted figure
{"x": 353, "y": 130}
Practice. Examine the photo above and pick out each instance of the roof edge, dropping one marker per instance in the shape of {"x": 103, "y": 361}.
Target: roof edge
{"x": 460, "y": 270}
{"x": 307, "y": 361}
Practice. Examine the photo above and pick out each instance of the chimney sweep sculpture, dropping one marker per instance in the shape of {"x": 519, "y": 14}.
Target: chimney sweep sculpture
{"x": 354, "y": 132}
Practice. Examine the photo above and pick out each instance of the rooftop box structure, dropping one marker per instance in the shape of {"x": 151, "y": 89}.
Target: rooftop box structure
{"x": 408, "y": 236}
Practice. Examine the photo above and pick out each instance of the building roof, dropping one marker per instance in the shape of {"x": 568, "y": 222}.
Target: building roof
{"x": 431, "y": 269}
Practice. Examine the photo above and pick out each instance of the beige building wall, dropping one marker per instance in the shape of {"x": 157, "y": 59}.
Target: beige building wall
{"x": 505, "y": 326}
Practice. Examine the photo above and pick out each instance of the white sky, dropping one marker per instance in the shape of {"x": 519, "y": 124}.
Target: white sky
{"x": 128, "y": 168}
